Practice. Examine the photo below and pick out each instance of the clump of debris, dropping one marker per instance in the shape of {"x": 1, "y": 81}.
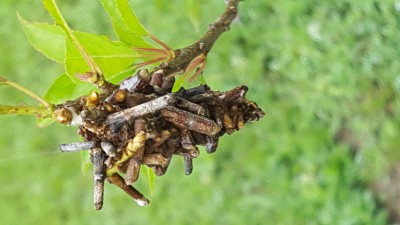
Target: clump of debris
{"x": 142, "y": 122}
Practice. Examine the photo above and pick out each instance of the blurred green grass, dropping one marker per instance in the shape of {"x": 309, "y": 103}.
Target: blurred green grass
{"x": 325, "y": 72}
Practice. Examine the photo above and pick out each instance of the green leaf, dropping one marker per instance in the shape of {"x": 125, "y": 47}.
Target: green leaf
{"x": 151, "y": 177}
{"x": 3, "y": 82}
{"x": 130, "y": 18}
{"x": 88, "y": 52}
{"x": 117, "y": 78}
{"x": 112, "y": 57}
{"x": 178, "y": 83}
{"x": 40, "y": 122}
{"x": 51, "y": 7}
{"x": 45, "y": 38}
{"x": 193, "y": 12}
{"x": 126, "y": 25}
{"x": 86, "y": 164}
{"x": 63, "y": 88}
{"x": 181, "y": 81}
{"x": 55, "y": 13}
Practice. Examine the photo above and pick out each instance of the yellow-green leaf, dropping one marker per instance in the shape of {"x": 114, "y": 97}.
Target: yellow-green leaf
{"x": 130, "y": 18}
{"x": 151, "y": 177}
{"x": 112, "y": 57}
{"x": 45, "y": 38}
{"x": 85, "y": 162}
{"x": 63, "y": 88}
{"x": 126, "y": 24}
{"x": 40, "y": 122}
{"x": 55, "y": 13}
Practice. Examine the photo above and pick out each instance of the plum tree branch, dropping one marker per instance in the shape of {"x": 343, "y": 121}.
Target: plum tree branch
{"x": 185, "y": 55}
{"x": 38, "y": 111}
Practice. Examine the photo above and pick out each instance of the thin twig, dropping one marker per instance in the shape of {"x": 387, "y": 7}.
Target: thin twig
{"x": 98, "y": 177}
{"x": 131, "y": 191}
{"x": 140, "y": 110}
{"x": 38, "y": 111}
{"x": 77, "y": 146}
{"x": 5, "y": 81}
{"x": 185, "y": 55}
{"x": 190, "y": 121}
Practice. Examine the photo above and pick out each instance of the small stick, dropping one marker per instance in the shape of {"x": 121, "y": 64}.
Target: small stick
{"x": 154, "y": 159}
{"x": 235, "y": 93}
{"x": 135, "y": 99}
{"x": 160, "y": 170}
{"x": 98, "y": 176}
{"x": 137, "y": 83}
{"x": 76, "y": 146}
{"x": 185, "y": 93}
{"x": 199, "y": 139}
{"x": 190, "y": 106}
{"x": 140, "y": 125}
{"x": 172, "y": 144}
{"x": 109, "y": 149}
{"x": 217, "y": 114}
{"x": 212, "y": 144}
{"x": 190, "y": 151}
{"x": 188, "y": 146}
{"x": 168, "y": 84}
{"x": 161, "y": 138}
{"x": 159, "y": 161}
{"x": 157, "y": 79}
{"x": 188, "y": 163}
{"x": 186, "y": 120}
{"x": 133, "y": 169}
{"x": 140, "y": 110}
{"x": 131, "y": 191}
{"x": 201, "y": 97}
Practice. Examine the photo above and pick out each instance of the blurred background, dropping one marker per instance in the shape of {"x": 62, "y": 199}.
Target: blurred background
{"x": 325, "y": 72}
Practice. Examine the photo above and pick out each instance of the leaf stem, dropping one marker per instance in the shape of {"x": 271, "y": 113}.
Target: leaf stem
{"x": 97, "y": 77}
{"x": 5, "y": 81}
{"x": 53, "y": 9}
{"x": 38, "y": 111}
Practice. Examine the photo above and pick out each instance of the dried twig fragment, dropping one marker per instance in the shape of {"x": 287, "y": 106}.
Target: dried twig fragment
{"x": 187, "y": 120}
{"x": 134, "y": 163}
{"x": 131, "y": 191}
{"x": 97, "y": 156}
{"x": 140, "y": 110}
{"x": 77, "y": 146}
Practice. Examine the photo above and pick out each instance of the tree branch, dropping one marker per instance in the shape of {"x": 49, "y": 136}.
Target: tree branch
{"x": 39, "y": 112}
{"x": 185, "y": 55}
